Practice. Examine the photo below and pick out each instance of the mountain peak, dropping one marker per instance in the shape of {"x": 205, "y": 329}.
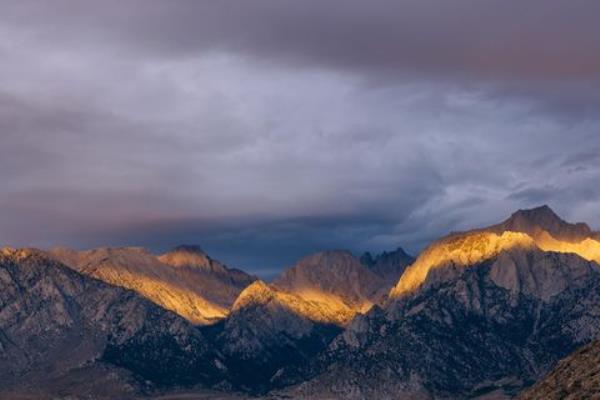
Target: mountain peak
{"x": 543, "y": 209}
{"x": 369, "y": 260}
{"x": 388, "y": 265}
{"x": 329, "y": 255}
{"x": 260, "y": 295}
{"x": 258, "y": 292}
{"x": 328, "y": 261}
{"x": 188, "y": 248}
{"x": 535, "y": 220}
{"x": 542, "y": 215}
{"x": 7, "y": 251}
{"x": 340, "y": 265}
{"x": 190, "y": 256}
{"x": 18, "y": 254}
{"x": 528, "y": 229}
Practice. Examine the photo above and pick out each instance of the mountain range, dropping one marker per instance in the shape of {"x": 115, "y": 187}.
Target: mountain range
{"x": 487, "y": 312}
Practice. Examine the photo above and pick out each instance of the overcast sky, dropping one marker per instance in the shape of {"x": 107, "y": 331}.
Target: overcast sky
{"x": 264, "y": 130}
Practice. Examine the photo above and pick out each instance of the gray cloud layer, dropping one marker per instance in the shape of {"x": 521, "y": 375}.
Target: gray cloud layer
{"x": 267, "y": 129}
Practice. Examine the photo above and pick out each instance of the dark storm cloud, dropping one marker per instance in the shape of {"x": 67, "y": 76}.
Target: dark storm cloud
{"x": 537, "y": 39}
{"x": 267, "y": 129}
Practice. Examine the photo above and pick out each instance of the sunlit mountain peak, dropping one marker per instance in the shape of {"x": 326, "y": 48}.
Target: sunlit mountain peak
{"x": 192, "y": 257}
{"x": 461, "y": 250}
{"x": 319, "y": 308}
{"x": 538, "y": 227}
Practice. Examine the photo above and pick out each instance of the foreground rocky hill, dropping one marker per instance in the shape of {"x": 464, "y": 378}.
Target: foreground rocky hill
{"x": 575, "y": 377}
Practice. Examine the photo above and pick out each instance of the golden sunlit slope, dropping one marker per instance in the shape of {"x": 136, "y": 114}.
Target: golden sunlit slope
{"x": 322, "y": 310}
{"x": 186, "y": 256}
{"x": 461, "y": 250}
{"x": 194, "y": 293}
{"x": 588, "y": 248}
{"x": 524, "y": 229}
{"x": 216, "y": 282}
